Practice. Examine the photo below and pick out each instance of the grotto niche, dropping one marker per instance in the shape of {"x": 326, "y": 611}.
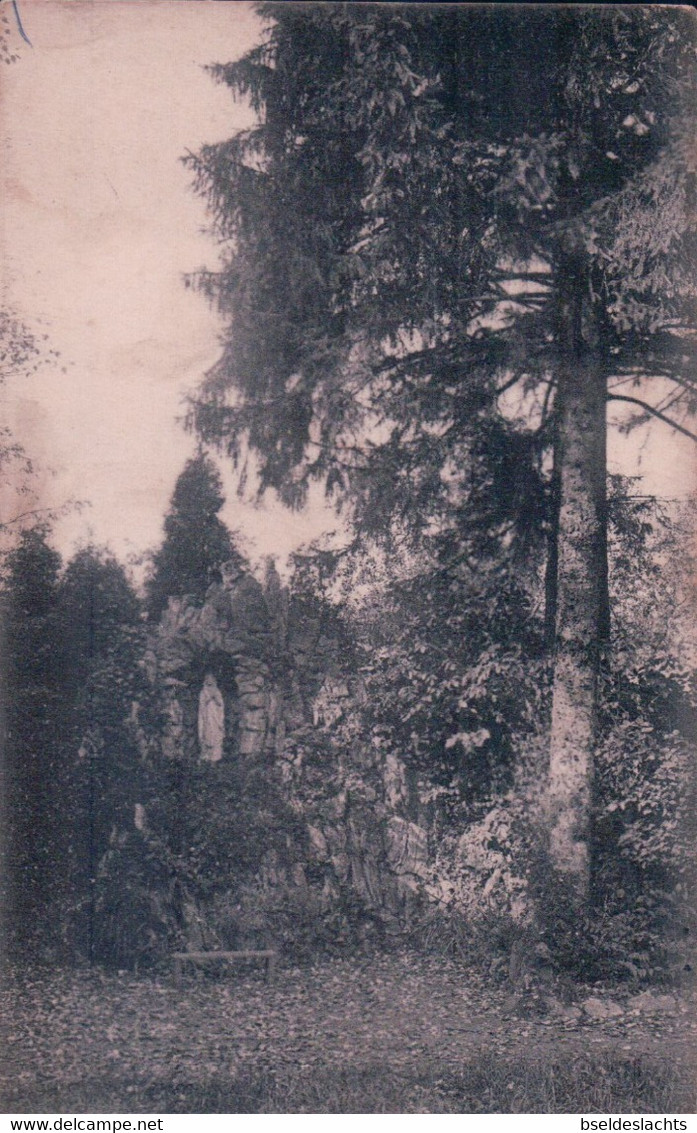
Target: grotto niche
{"x": 212, "y": 666}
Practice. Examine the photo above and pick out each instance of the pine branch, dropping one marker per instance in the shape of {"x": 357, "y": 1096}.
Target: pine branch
{"x": 654, "y": 413}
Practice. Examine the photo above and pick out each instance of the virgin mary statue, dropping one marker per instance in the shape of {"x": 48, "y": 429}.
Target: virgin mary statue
{"x": 211, "y": 720}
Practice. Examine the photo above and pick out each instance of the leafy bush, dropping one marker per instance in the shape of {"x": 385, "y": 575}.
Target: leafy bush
{"x": 304, "y": 922}
{"x": 132, "y": 915}
{"x": 483, "y": 945}
{"x": 455, "y": 681}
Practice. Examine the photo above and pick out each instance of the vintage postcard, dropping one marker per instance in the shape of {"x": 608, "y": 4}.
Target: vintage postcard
{"x": 348, "y": 442}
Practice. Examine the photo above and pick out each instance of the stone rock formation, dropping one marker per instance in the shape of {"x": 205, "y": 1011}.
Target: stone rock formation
{"x": 407, "y": 851}
{"x": 331, "y": 701}
{"x": 225, "y": 644}
{"x": 257, "y": 680}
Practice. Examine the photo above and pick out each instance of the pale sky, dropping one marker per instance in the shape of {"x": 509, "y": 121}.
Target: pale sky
{"x": 99, "y": 225}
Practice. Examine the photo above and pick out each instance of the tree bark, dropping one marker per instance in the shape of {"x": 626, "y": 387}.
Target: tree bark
{"x": 581, "y": 591}
{"x": 552, "y": 565}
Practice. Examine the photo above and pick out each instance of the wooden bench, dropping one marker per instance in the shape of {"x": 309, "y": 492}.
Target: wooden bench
{"x": 200, "y": 959}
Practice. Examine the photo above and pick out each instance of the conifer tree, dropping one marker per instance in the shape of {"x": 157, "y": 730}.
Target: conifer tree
{"x": 32, "y": 766}
{"x": 442, "y": 206}
{"x": 196, "y": 540}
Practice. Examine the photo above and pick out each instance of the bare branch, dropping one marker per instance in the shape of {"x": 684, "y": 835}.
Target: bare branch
{"x": 35, "y": 512}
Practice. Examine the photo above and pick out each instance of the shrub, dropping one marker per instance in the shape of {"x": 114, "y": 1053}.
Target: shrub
{"x": 132, "y": 915}
{"x": 304, "y": 922}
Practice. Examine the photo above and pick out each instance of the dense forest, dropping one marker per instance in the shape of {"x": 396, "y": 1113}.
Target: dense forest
{"x": 455, "y": 240}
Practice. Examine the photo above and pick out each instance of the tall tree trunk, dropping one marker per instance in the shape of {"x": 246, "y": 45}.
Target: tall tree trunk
{"x": 581, "y": 591}
{"x": 552, "y": 565}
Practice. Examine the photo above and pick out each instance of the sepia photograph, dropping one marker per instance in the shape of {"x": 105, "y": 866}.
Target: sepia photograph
{"x": 348, "y": 601}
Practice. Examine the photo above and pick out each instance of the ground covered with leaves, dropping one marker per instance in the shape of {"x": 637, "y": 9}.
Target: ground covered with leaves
{"x": 395, "y": 1033}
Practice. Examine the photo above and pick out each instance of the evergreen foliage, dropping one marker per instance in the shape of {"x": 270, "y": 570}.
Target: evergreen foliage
{"x": 454, "y": 234}
{"x": 455, "y": 223}
{"x": 71, "y": 656}
{"x": 400, "y": 223}
{"x": 96, "y": 601}
{"x": 34, "y": 767}
{"x": 196, "y": 541}
{"x": 102, "y": 678}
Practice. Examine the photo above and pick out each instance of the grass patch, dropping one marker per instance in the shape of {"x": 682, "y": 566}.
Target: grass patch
{"x": 607, "y": 1083}
{"x": 486, "y": 1084}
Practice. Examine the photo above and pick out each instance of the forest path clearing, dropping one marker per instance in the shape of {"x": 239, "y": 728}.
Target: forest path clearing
{"x": 83, "y": 1038}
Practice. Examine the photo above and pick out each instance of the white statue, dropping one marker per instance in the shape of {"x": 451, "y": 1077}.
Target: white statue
{"x": 211, "y": 720}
